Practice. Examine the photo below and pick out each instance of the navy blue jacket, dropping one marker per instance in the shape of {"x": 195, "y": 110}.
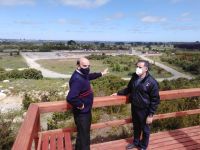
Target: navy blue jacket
{"x": 143, "y": 95}
{"x": 80, "y": 91}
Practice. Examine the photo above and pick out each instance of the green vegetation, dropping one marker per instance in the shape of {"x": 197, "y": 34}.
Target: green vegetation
{"x": 8, "y": 129}
{"x": 16, "y": 74}
{"x": 67, "y": 66}
{"x": 187, "y": 61}
{"x": 28, "y": 85}
{"x": 12, "y": 62}
{"x": 174, "y": 66}
{"x": 122, "y": 66}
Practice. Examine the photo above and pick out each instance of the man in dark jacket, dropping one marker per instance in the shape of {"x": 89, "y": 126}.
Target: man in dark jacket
{"x": 80, "y": 96}
{"x": 144, "y": 96}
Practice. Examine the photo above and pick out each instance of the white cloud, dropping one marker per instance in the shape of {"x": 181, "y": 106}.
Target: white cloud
{"x": 115, "y": 16}
{"x": 84, "y": 3}
{"x": 153, "y": 19}
{"x": 68, "y": 21}
{"x": 185, "y": 14}
{"x": 26, "y": 22}
{"x": 16, "y": 2}
{"x": 185, "y": 17}
{"x": 184, "y": 28}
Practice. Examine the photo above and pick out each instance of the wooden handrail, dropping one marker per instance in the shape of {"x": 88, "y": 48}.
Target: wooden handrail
{"x": 61, "y": 106}
{"x": 30, "y": 127}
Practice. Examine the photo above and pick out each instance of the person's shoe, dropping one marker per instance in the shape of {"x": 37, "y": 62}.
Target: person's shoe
{"x": 131, "y": 146}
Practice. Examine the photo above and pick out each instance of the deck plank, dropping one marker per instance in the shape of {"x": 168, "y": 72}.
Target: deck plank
{"x": 180, "y": 139}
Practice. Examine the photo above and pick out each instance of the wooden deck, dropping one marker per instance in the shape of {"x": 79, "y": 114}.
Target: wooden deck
{"x": 180, "y": 139}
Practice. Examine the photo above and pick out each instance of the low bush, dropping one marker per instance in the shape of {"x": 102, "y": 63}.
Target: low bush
{"x": 27, "y": 101}
{"x": 8, "y": 129}
{"x": 32, "y": 74}
{"x": 16, "y": 74}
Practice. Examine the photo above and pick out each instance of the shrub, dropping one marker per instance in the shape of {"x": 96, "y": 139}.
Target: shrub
{"x": 2, "y": 69}
{"x": 8, "y": 129}
{"x": 27, "y": 101}
{"x": 15, "y": 74}
{"x": 32, "y": 74}
{"x": 3, "y": 76}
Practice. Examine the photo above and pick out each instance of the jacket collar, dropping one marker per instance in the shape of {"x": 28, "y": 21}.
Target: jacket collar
{"x": 144, "y": 79}
{"x": 84, "y": 76}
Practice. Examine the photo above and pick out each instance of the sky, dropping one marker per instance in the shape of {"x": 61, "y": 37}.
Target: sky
{"x": 101, "y": 20}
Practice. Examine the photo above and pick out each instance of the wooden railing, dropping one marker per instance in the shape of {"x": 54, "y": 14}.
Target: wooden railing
{"x": 30, "y": 128}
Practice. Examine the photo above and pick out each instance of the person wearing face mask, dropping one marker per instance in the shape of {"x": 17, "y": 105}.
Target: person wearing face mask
{"x": 144, "y": 97}
{"x": 80, "y": 97}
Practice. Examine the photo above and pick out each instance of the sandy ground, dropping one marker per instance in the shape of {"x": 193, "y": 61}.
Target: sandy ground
{"x": 10, "y": 103}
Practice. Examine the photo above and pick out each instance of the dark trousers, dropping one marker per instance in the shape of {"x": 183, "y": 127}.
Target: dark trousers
{"x": 140, "y": 127}
{"x": 83, "y": 123}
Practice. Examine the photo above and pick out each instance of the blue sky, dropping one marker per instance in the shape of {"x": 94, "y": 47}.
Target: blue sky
{"x": 104, "y": 20}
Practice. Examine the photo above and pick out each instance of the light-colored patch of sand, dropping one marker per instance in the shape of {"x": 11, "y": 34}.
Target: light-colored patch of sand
{"x": 11, "y": 103}
{"x": 12, "y": 99}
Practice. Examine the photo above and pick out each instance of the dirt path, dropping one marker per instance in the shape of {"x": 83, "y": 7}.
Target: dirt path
{"x": 31, "y": 61}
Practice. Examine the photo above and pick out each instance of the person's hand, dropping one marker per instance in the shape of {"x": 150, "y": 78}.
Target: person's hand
{"x": 82, "y": 107}
{"x": 149, "y": 120}
{"x": 114, "y": 94}
{"x": 105, "y": 72}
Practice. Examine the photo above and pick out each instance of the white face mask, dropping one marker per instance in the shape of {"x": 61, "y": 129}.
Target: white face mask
{"x": 138, "y": 71}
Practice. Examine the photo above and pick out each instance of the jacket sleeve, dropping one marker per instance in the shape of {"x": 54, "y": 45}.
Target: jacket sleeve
{"x": 73, "y": 95}
{"x": 93, "y": 76}
{"x": 127, "y": 90}
{"x": 154, "y": 98}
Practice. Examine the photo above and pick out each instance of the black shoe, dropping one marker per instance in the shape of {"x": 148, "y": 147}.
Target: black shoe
{"x": 131, "y": 146}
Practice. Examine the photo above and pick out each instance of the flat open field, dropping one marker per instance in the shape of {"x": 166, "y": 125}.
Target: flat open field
{"x": 12, "y": 62}
{"x": 67, "y": 66}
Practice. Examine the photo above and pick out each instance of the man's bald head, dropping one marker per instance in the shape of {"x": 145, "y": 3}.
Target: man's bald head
{"x": 83, "y": 62}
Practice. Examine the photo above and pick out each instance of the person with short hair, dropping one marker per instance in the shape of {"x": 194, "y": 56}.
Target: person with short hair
{"x": 143, "y": 91}
{"x": 80, "y": 97}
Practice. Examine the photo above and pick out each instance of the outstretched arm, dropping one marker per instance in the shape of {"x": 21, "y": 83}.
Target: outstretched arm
{"x": 93, "y": 76}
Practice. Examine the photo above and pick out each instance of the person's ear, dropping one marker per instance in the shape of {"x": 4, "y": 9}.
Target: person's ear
{"x": 78, "y": 63}
{"x": 146, "y": 69}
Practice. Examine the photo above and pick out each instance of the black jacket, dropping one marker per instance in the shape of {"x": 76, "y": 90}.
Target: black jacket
{"x": 143, "y": 95}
